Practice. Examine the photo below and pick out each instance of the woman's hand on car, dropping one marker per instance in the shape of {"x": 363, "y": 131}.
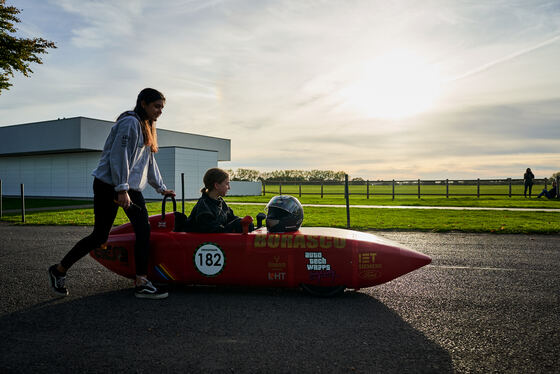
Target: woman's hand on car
{"x": 168, "y": 193}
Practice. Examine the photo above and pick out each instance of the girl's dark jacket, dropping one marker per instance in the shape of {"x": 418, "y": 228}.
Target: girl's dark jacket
{"x": 209, "y": 215}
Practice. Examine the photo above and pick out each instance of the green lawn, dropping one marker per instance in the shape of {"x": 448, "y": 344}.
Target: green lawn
{"x": 406, "y": 192}
{"x": 360, "y": 218}
{"x": 459, "y": 201}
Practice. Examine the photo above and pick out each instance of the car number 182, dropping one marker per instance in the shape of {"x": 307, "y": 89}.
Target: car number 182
{"x": 209, "y": 259}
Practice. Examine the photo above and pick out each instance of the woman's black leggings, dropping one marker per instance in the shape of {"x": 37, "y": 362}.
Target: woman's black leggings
{"x": 105, "y": 210}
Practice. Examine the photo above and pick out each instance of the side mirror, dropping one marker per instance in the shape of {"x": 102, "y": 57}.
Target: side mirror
{"x": 260, "y": 218}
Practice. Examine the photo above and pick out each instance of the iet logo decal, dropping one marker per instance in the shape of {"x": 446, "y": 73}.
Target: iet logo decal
{"x": 367, "y": 268}
{"x": 366, "y": 260}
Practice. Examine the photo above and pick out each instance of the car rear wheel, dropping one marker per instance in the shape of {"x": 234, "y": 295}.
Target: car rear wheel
{"x": 322, "y": 291}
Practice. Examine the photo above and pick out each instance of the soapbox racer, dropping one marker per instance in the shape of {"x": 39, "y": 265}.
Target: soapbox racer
{"x": 323, "y": 261}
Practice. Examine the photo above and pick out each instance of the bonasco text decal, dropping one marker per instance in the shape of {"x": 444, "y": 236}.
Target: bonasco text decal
{"x": 298, "y": 241}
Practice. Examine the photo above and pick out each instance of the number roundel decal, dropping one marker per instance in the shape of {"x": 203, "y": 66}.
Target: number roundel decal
{"x": 209, "y": 259}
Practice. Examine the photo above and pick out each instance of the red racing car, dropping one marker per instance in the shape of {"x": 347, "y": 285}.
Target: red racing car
{"x": 323, "y": 261}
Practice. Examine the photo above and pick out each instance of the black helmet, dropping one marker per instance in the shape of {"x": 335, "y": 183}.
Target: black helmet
{"x": 283, "y": 213}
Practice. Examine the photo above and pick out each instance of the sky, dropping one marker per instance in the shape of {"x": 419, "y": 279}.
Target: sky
{"x": 388, "y": 89}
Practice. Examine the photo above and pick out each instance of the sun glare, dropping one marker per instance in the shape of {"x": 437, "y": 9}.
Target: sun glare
{"x": 396, "y": 85}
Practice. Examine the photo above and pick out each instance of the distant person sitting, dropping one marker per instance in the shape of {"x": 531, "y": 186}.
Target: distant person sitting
{"x": 211, "y": 213}
{"x": 528, "y": 181}
{"x": 551, "y": 193}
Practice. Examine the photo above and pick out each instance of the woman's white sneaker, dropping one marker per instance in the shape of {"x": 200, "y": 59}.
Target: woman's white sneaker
{"x": 57, "y": 281}
{"x": 149, "y": 291}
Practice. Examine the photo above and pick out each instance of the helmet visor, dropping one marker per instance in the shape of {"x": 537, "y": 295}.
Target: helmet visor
{"x": 290, "y": 205}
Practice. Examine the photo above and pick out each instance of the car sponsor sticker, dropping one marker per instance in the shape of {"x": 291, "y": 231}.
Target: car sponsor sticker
{"x": 276, "y": 275}
{"x": 298, "y": 241}
{"x": 316, "y": 261}
{"x": 110, "y": 253}
{"x": 367, "y": 267}
{"x": 209, "y": 259}
{"x": 318, "y": 267}
{"x": 277, "y": 269}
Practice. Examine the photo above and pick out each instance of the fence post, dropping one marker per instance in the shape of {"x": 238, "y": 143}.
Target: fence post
{"x": 22, "y": 204}
{"x": 280, "y": 188}
{"x": 322, "y": 190}
{"x": 418, "y": 188}
{"x": 393, "y": 189}
{"x": 263, "y": 187}
{"x": 183, "y": 192}
{"x": 300, "y": 189}
{"x": 367, "y": 189}
{"x": 347, "y": 201}
{"x": 558, "y": 187}
{"x": 447, "y": 188}
{"x": 509, "y": 182}
{"x": 478, "y": 187}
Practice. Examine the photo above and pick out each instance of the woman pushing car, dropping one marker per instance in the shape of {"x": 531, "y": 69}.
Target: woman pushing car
{"x": 127, "y": 164}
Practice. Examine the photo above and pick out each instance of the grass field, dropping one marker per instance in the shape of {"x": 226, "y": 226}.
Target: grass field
{"x": 376, "y": 191}
{"x": 366, "y": 218}
{"x": 438, "y": 201}
{"x": 495, "y": 196}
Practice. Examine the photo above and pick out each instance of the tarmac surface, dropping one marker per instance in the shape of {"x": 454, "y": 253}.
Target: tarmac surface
{"x": 487, "y": 303}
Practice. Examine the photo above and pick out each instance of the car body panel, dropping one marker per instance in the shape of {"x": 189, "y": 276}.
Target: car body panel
{"x": 319, "y": 256}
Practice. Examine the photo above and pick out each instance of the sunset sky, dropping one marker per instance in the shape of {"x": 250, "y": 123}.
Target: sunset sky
{"x": 380, "y": 89}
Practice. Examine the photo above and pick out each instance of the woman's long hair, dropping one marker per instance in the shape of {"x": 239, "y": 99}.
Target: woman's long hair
{"x": 148, "y": 96}
{"x": 214, "y": 175}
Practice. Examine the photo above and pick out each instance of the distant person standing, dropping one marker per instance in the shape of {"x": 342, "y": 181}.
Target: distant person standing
{"x": 127, "y": 164}
{"x": 528, "y": 179}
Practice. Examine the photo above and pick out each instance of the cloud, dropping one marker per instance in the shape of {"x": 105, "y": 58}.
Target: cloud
{"x": 101, "y": 23}
{"x": 487, "y": 138}
{"x": 504, "y": 59}
{"x": 268, "y": 75}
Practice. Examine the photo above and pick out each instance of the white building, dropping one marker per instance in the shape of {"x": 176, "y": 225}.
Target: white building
{"x": 56, "y": 158}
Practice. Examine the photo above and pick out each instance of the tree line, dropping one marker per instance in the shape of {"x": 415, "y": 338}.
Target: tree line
{"x": 251, "y": 175}
{"x": 286, "y": 175}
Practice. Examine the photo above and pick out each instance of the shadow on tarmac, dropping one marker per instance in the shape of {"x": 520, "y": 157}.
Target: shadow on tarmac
{"x": 216, "y": 329}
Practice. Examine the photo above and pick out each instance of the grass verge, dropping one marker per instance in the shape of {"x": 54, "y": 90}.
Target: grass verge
{"x": 506, "y": 222}
{"x": 439, "y": 201}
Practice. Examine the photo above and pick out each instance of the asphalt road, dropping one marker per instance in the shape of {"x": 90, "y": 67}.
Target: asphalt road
{"x": 487, "y": 303}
